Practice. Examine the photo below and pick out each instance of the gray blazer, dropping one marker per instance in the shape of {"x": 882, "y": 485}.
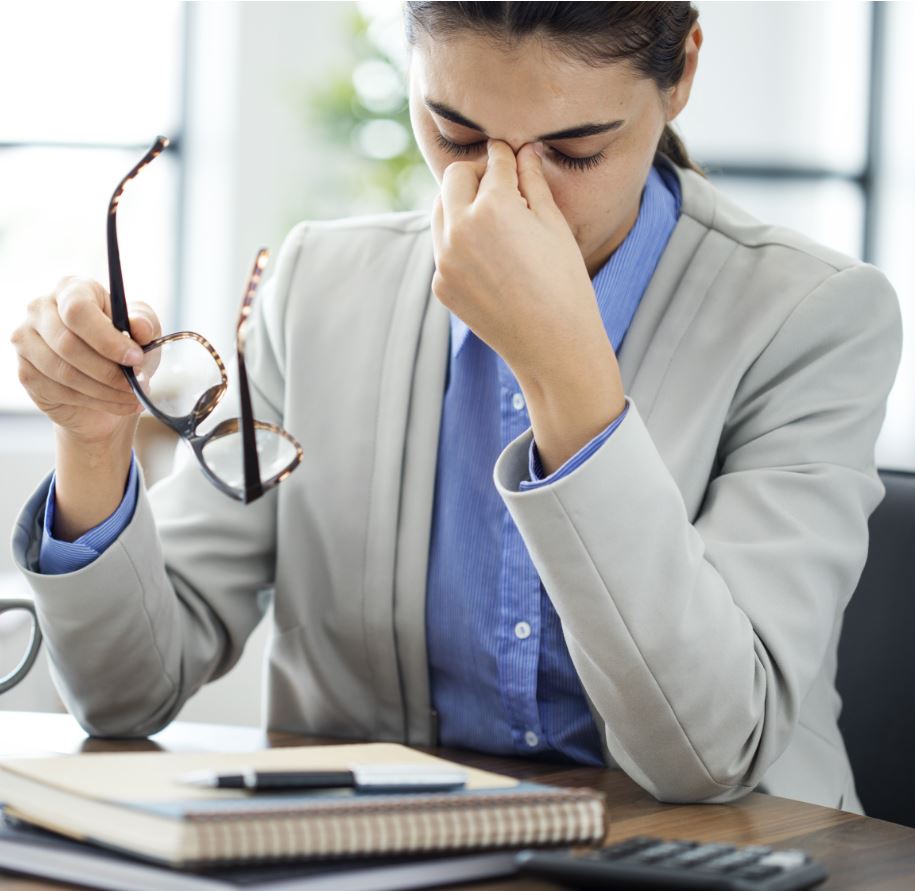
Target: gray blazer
{"x": 700, "y": 561}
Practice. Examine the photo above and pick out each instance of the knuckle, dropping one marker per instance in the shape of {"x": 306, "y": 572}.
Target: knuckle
{"x": 38, "y": 307}
{"x": 35, "y": 305}
{"x": 64, "y": 282}
{"x": 444, "y": 269}
{"x": 440, "y": 287}
{"x": 486, "y": 209}
{"x": 73, "y": 307}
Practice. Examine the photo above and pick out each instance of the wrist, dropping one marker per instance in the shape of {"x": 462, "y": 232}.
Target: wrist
{"x": 89, "y": 481}
{"x": 96, "y": 451}
{"x": 573, "y": 403}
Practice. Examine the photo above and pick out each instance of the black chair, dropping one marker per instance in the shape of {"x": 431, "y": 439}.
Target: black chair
{"x": 876, "y": 677}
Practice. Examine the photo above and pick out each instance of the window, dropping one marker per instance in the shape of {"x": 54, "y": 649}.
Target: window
{"x": 779, "y": 113}
{"x": 93, "y": 92}
{"x": 799, "y": 113}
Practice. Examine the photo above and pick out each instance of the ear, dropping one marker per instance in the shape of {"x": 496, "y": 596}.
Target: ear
{"x": 679, "y": 95}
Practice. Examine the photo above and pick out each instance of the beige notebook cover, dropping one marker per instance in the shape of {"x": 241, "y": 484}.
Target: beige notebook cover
{"x": 134, "y": 802}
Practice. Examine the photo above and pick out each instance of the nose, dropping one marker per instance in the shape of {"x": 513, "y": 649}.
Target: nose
{"x": 515, "y": 147}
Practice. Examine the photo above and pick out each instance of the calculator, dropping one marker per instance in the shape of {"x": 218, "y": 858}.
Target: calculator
{"x": 644, "y": 862}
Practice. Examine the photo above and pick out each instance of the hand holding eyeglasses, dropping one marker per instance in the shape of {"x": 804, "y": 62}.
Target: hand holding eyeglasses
{"x": 88, "y": 366}
{"x": 70, "y": 358}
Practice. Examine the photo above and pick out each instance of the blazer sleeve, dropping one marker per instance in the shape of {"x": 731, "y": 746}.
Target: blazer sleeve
{"x": 697, "y": 641}
{"x": 170, "y": 604}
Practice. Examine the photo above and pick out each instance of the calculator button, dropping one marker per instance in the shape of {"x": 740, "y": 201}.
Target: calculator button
{"x": 660, "y": 852}
{"x": 784, "y": 859}
{"x": 627, "y": 848}
{"x": 733, "y": 861}
{"x": 700, "y": 854}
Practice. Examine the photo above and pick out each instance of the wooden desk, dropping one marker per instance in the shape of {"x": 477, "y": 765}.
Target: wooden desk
{"x": 858, "y": 852}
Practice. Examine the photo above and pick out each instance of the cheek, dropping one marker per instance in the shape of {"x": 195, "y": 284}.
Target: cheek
{"x": 591, "y": 202}
{"x": 580, "y": 196}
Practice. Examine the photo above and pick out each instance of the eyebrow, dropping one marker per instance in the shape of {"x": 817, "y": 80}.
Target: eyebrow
{"x": 445, "y": 111}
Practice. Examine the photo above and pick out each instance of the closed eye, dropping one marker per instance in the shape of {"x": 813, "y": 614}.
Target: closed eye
{"x": 471, "y": 148}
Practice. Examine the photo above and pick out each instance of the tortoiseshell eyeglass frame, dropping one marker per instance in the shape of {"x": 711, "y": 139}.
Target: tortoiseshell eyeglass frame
{"x": 186, "y": 426}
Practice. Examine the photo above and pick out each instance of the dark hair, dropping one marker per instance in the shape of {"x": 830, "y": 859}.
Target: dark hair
{"x": 649, "y": 37}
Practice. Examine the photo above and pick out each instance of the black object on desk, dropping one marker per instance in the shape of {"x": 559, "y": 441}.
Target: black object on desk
{"x": 366, "y": 778}
{"x": 642, "y": 862}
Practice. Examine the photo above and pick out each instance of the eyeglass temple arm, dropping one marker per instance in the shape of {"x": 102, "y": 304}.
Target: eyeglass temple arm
{"x": 253, "y": 486}
{"x": 115, "y": 278}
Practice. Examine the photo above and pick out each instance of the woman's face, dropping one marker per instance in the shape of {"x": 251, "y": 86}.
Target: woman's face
{"x": 466, "y": 89}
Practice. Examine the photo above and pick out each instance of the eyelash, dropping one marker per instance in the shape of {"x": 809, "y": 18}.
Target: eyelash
{"x": 456, "y": 148}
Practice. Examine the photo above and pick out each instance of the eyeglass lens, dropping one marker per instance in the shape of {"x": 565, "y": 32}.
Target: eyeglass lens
{"x": 223, "y": 455}
{"x": 181, "y": 377}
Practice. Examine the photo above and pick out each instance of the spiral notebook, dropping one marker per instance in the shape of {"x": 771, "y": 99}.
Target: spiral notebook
{"x": 134, "y": 803}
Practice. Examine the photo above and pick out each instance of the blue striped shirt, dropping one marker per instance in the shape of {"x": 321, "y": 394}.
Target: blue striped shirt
{"x": 56, "y": 557}
{"x": 501, "y": 676}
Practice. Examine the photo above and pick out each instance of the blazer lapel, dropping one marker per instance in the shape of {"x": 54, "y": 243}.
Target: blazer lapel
{"x": 400, "y": 503}
{"x": 414, "y": 529}
{"x": 674, "y": 294}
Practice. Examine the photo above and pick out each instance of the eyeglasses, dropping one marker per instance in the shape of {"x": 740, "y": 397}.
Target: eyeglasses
{"x": 182, "y": 379}
{"x": 9, "y": 680}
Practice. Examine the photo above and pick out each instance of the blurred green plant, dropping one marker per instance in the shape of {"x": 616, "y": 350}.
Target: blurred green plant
{"x": 364, "y": 111}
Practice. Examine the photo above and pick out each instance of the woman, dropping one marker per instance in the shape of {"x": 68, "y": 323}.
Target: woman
{"x": 678, "y": 405}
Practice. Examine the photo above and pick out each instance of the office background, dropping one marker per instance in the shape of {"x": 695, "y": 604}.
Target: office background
{"x": 285, "y": 111}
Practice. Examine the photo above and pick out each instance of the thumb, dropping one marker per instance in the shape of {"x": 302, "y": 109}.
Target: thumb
{"x": 531, "y": 182}
{"x": 144, "y": 324}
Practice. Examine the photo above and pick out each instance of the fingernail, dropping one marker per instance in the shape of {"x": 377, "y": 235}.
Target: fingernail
{"x": 538, "y": 147}
{"x": 133, "y": 356}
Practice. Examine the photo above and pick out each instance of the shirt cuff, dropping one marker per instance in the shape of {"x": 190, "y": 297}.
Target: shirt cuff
{"x": 57, "y": 557}
{"x": 535, "y": 465}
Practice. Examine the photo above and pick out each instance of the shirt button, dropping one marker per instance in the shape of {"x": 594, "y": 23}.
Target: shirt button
{"x": 517, "y": 402}
{"x": 522, "y": 631}
{"x": 531, "y": 738}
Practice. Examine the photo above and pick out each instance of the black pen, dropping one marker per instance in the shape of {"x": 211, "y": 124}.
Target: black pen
{"x": 364, "y": 778}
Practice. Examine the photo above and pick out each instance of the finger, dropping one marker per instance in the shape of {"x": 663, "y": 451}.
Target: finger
{"x": 531, "y": 182}
{"x": 70, "y": 348}
{"x": 460, "y": 183}
{"x": 438, "y": 224}
{"x": 144, "y": 323}
{"x": 501, "y": 168}
{"x": 81, "y": 305}
{"x": 48, "y": 393}
{"x": 58, "y": 369}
